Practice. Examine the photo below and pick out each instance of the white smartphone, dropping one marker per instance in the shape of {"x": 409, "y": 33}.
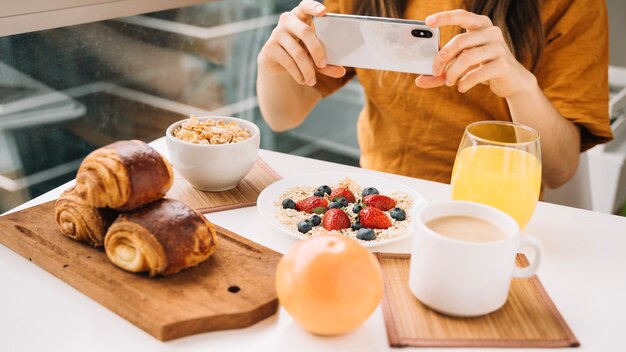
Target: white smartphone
{"x": 378, "y": 43}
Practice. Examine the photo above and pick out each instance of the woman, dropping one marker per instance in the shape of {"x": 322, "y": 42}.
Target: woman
{"x": 541, "y": 64}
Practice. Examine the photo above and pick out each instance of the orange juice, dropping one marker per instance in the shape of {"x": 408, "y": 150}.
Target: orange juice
{"x": 506, "y": 178}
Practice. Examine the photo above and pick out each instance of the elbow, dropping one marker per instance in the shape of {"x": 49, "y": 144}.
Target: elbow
{"x": 274, "y": 125}
{"x": 279, "y": 128}
{"x": 277, "y": 124}
{"x": 562, "y": 175}
{"x": 554, "y": 182}
{"x": 280, "y": 121}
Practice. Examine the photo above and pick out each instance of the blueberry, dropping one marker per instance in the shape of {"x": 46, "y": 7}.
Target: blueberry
{"x": 369, "y": 190}
{"x": 343, "y": 201}
{"x": 397, "y": 214}
{"x": 305, "y": 226}
{"x": 318, "y": 193}
{"x": 356, "y": 226}
{"x": 315, "y": 220}
{"x": 334, "y": 205}
{"x": 356, "y": 209}
{"x": 289, "y": 204}
{"x": 366, "y": 234}
{"x": 324, "y": 189}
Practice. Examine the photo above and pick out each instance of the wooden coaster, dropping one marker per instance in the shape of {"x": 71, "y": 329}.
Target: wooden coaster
{"x": 528, "y": 319}
{"x": 244, "y": 195}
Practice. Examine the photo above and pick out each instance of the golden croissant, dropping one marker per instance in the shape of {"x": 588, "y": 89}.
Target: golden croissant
{"x": 163, "y": 237}
{"x": 80, "y": 221}
{"x": 124, "y": 175}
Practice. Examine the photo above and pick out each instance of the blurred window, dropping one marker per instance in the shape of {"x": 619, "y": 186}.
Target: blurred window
{"x": 67, "y": 91}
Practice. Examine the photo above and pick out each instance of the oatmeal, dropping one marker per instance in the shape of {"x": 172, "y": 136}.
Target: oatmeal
{"x": 346, "y": 201}
{"x": 210, "y": 132}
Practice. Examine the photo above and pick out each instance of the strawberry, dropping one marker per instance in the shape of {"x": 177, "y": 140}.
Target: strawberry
{"x": 374, "y": 218}
{"x": 309, "y": 204}
{"x": 381, "y": 202}
{"x": 335, "y": 219}
{"x": 342, "y": 192}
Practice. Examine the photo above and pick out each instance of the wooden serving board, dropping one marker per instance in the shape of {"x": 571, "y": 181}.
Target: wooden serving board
{"x": 528, "y": 319}
{"x": 244, "y": 195}
{"x": 234, "y": 288}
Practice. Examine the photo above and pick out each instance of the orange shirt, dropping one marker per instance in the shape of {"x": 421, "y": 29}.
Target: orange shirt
{"x": 415, "y": 132}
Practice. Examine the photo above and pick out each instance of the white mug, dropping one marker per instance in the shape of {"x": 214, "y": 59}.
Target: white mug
{"x": 464, "y": 278}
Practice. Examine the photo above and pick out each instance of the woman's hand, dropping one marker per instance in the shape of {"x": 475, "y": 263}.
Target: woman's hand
{"x": 294, "y": 48}
{"x": 479, "y": 55}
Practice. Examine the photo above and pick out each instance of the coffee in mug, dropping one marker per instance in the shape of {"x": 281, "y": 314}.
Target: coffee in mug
{"x": 463, "y": 258}
{"x": 466, "y": 228}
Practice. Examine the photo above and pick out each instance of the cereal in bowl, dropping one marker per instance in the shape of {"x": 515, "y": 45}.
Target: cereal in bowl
{"x": 210, "y": 131}
{"x": 346, "y": 209}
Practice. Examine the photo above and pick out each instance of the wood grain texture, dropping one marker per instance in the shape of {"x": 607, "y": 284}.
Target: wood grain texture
{"x": 193, "y": 301}
{"x": 528, "y": 319}
{"x": 244, "y": 195}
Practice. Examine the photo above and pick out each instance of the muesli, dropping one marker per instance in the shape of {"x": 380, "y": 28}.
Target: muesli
{"x": 345, "y": 208}
{"x": 210, "y": 131}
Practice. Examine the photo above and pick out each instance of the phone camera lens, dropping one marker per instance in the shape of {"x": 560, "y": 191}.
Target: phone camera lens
{"x": 421, "y": 33}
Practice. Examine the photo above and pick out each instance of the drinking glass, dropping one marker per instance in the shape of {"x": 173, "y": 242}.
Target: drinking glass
{"x": 498, "y": 163}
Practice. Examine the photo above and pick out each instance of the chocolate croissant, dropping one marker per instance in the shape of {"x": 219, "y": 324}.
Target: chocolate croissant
{"x": 80, "y": 221}
{"x": 163, "y": 237}
{"x": 124, "y": 175}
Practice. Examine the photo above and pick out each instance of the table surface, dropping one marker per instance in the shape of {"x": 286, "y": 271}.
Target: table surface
{"x": 584, "y": 271}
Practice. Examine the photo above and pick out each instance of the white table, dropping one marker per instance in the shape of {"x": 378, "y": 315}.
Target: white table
{"x": 584, "y": 272}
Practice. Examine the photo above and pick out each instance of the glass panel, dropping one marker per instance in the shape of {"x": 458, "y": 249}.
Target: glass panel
{"x": 65, "y": 92}
{"x": 29, "y": 6}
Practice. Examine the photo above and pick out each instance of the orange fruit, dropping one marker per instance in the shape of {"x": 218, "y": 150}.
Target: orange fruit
{"x": 329, "y": 284}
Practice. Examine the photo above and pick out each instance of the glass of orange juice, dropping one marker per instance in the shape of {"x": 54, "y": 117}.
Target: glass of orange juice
{"x": 499, "y": 163}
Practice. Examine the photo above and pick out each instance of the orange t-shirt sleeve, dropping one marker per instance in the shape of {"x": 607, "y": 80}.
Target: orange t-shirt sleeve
{"x": 573, "y": 72}
{"x": 328, "y": 85}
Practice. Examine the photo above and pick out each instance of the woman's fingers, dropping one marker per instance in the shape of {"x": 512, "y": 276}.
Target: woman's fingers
{"x": 481, "y": 74}
{"x": 462, "y": 42}
{"x": 285, "y": 60}
{"x": 294, "y": 47}
{"x": 471, "y": 58}
{"x": 308, "y": 8}
{"x": 305, "y": 33}
{"x": 461, "y": 18}
{"x": 430, "y": 81}
{"x": 300, "y": 56}
{"x": 333, "y": 71}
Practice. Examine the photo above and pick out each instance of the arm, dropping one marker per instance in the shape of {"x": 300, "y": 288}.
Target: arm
{"x": 481, "y": 55}
{"x": 560, "y": 138}
{"x": 284, "y": 102}
{"x": 287, "y": 66}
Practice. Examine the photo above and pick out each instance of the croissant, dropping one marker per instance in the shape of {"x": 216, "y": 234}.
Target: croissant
{"x": 80, "y": 221}
{"x": 124, "y": 175}
{"x": 163, "y": 237}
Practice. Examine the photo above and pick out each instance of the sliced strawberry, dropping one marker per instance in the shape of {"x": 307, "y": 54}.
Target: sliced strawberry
{"x": 374, "y": 218}
{"x": 309, "y": 204}
{"x": 342, "y": 192}
{"x": 381, "y": 202}
{"x": 335, "y": 219}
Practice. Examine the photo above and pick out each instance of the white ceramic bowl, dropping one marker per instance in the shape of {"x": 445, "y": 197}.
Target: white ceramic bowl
{"x": 214, "y": 167}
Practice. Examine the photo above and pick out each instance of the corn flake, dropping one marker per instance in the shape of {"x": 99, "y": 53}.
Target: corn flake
{"x": 210, "y": 132}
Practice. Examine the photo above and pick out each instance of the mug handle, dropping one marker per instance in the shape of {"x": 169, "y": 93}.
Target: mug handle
{"x": 530, "y": 270}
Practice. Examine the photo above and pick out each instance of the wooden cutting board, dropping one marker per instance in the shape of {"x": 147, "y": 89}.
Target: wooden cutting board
{"x": 232, "y": 289}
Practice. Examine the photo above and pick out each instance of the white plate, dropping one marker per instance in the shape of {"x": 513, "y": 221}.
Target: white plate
{"x": 265, "y": 202}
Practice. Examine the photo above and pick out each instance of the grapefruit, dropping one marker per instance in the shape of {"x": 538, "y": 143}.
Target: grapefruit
{"x": 329, "y": 284}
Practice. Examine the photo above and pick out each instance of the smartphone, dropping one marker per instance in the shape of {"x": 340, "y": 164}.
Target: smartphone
{"x": 378, "y": 43}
